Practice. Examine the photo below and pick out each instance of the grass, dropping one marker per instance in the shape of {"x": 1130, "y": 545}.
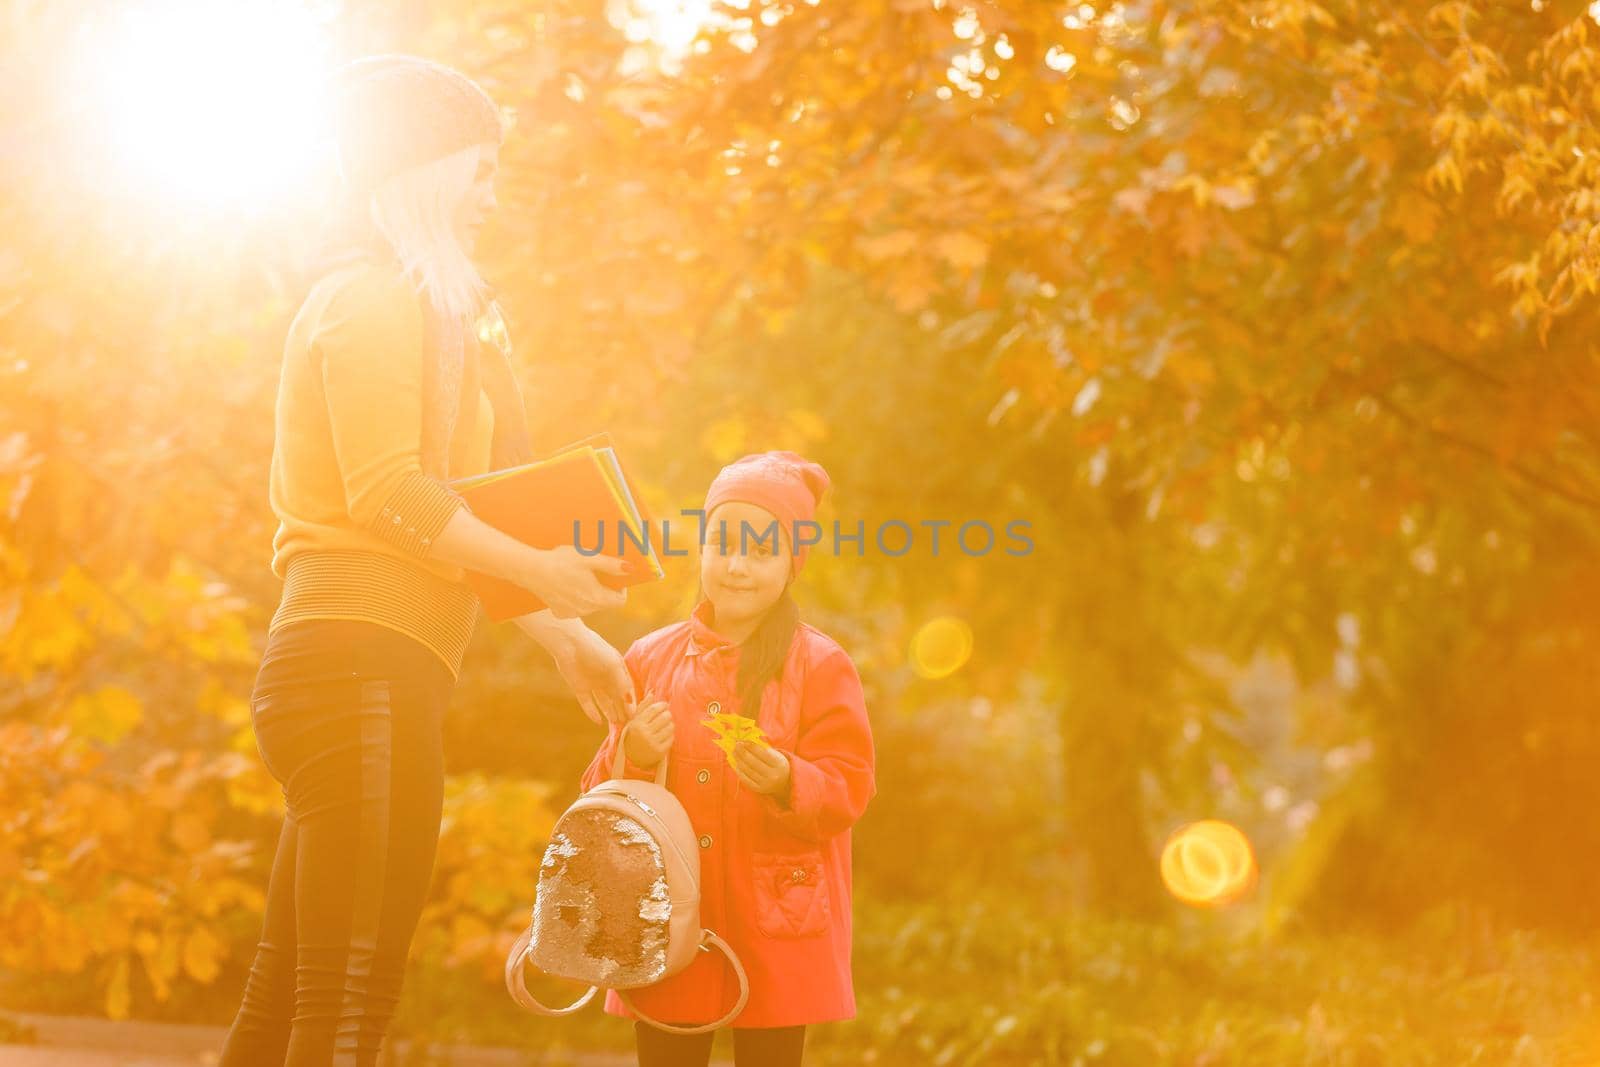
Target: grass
{"x": 989, "y": 978}
{"x": 993, "y": 981}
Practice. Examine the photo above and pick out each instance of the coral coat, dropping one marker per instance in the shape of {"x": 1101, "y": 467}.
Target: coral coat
{"x": 774, "y": 879}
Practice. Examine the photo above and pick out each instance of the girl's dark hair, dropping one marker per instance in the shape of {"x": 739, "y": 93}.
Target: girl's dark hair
{"x": 763, "y": 652}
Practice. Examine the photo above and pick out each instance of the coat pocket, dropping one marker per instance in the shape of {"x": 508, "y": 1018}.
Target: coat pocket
{"x": 792, "y": 896}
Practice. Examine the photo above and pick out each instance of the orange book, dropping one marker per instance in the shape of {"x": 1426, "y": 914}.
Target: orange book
{"x": 578, "y": 496}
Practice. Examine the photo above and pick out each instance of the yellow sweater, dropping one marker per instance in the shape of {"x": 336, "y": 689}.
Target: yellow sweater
{"x": 356, "y": 511}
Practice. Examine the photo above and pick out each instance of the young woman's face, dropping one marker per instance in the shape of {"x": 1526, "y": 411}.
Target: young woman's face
{"x": 479, "y": 203}
{"x": 743, "y": 580}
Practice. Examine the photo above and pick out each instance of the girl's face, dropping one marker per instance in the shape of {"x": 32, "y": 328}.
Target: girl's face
{"x": 742, "y": 574}
{"x": 479, "y": 202}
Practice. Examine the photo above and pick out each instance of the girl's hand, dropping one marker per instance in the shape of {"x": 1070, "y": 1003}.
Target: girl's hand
{"x": 649, "y": 738}
{"x": 762, "y": 770}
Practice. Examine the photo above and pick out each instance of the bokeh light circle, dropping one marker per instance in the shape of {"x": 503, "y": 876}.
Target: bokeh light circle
{"x": 1208, "y": 864}
{"x": 941, "y": 647}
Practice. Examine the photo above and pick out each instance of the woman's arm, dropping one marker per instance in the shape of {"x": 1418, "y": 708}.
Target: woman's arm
{"x": 588, "y": 662}
{"x": 370, "y": 343}
{"x": 564, "y": 578}
{"x": 599, "y": 769}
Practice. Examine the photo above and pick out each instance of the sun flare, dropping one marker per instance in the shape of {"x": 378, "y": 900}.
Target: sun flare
{"x": 207, "y": 104}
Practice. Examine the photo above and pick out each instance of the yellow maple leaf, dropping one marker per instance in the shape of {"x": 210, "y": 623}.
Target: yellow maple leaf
{"x": 731, "y": 728}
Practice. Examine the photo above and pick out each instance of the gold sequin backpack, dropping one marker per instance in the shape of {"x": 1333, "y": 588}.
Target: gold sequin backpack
{"x": 618, "y": 901}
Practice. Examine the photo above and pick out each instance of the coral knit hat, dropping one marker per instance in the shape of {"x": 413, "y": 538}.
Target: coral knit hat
{"x": 784, "y": 483}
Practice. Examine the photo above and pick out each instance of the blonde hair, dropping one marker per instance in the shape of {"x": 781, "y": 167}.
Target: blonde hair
{"x": 414, "y": 211}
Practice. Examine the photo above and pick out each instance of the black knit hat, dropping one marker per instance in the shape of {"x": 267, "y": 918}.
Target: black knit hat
{"x": 393, "y": 112}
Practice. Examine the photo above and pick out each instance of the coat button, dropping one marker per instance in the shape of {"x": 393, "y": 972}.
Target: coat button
{"x": 703, "y": 777}
{"x": 705, "y": 840}
{"x": 799, "y": 875}
{"x": 713, "y": 707}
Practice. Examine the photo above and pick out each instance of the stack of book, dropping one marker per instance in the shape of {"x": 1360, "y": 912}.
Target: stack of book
{"x": 577, "y": 496}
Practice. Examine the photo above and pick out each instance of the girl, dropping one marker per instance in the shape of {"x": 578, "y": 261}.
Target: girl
{"x": 384, "y": 395}
{"x": 774, "y": 827}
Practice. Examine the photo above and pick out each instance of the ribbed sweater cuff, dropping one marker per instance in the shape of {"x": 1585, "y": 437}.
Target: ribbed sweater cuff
{"x": 415, "y": 512}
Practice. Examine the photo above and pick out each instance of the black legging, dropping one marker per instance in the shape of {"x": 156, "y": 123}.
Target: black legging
{"x": 348, "y": 718}
{"x": 752, "y": 1047}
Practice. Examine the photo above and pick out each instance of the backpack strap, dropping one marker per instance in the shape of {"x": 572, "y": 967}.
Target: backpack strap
{"x": 619, "y": 768}
{"x": 517, "y": 987}
{"x": 706, "y": 938}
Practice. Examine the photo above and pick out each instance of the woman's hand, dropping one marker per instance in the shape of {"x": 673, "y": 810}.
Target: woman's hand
{"x": 569, "y": 581}
{"x": 564, "y": 578}
{"x": 587, "y": 662}
{"x": 650, "y": 733}
{"x": 762, "y": 770}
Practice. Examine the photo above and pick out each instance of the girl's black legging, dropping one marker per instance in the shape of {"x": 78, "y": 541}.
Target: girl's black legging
{"x": 348, "y": 717}
{"x": 779, "y": 1046}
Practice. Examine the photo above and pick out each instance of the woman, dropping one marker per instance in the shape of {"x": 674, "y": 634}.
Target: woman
{"x": 385, "y": 394}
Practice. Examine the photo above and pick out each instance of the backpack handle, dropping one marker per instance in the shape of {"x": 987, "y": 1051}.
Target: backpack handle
{"x": 618, "y": 767}
{"x": 517, "y": 986}
{"x": 706, "y": 938}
